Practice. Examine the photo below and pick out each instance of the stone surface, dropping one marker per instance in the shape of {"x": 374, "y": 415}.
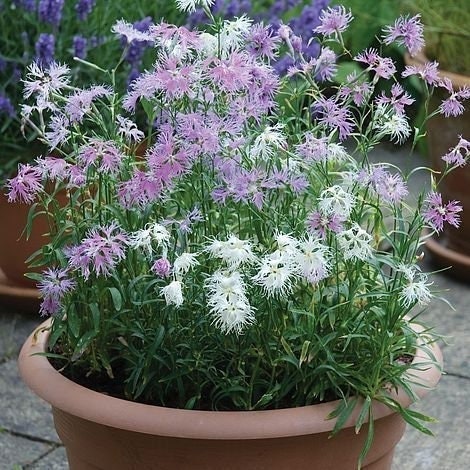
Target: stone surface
{"x": 15, "y": 450}
{"x": 450, "y": 448}
{"x": 20, "y": 410}
{"x": 55, "y": 460}
{"x": 14, "y": 329}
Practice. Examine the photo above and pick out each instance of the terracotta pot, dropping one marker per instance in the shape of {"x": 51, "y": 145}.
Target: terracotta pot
{"x": 452, "y": 248}
{"x": 102, "y": 432}
{"x": 15, "y": 249}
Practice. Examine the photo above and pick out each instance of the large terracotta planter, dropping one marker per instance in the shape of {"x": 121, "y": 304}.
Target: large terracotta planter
{"x": 452, "y": 248}
{"x": 15, "y": 248}
{"x": 102, "y": 432}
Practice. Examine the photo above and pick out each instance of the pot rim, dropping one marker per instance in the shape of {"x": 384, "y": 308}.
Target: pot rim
{"x": 458, "y": 80}
{"x": 66, "y": 395}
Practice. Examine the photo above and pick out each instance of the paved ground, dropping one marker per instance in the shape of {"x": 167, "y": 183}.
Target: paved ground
{"x": 28, "y": 440}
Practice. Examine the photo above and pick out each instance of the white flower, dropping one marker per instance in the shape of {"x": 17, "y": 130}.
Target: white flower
{"x": 209, "y": 44}
{"x": 268, "y": 142}
{"x": 58, "y": 132}
{"x": 229, "y": 305}
{"x": 173, "y": 293}
{"x": 355, "y": 243}
{"x": 416, "y": 291}
{"x": 234, "y": 32}
{"x": 190, "y": 6}
{"x": 312, "y": 260}
{"x": 143, "y": 238}
{"x": 234, "y": 251}
{"x": 184, "y": 263}
{"x": 335, "y": 200}
{"x": 276, "y": 274}
{"x": 44, "y": 82}
{"x": 287, "y": 244}
{"x": 337, "y": 153}
{"x": 393, "y": 124}
{"x": 128, "y": 129}
{"x": 123, "y": 28}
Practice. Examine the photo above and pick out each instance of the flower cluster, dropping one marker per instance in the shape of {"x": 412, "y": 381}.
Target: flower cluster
{"x": 257, "y": 257}
{"x": 48, "y": 31}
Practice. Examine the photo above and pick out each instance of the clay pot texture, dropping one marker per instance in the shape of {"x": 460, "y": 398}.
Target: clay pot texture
{"x": 452, "y": 247}
{"x": 102, "y": 432}
{"x": 15, "y": 249}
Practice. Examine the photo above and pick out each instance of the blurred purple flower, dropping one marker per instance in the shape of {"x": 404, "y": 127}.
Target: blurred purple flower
{"x": 6, "y": 107}
{"x": 50, "y": 11}
{"x": 84, "y": 8}
{"x": 79, "y": 46}
{"x": 45, "y": 48}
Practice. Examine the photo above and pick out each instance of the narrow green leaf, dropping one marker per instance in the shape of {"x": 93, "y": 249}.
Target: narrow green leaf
{"x": 362, "y": 415}
{"x": 117, "y": 298}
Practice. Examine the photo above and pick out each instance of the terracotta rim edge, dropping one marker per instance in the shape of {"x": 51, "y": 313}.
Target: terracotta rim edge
{"x": 455, "y": 258}
{"x": 79, "y": 401}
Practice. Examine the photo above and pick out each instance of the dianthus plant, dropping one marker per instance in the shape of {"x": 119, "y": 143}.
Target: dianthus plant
{"x": 238, "y": 252}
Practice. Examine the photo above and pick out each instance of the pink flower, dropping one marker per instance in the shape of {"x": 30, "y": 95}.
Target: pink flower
{"x": 407, "y": 31}
{"x": 161, "y": 267}
{"x": 26, "y": 185}
{"x": 436, "y": 213}
{"x": 382, "y": 66}
{"x": 459, "y": 154}
{"x": 54, "y": 285}
{"x": 428, "y": 72}
{"x": 333, "y": 21}
{"x": 398, "y": 99}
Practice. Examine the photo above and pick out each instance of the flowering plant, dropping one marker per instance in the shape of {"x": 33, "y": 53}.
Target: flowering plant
{"x": 233, "y": 255}
{"x": 55, "y": 30}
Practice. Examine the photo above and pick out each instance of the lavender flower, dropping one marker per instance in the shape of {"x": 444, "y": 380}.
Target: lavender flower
{"x": 45, "y": 49}
{"x": 334, "y": 116}
{"x": 27, "y": 5}
{"x": 436, "y": 213}
{"x": 103, "y": 155}
{"x": 50, "y": 11}
{"x": 318, "y": 223}
{"x": 26, "y": 185}
{"x": 79, "y": 104}
{"x": 79, "y": 46}
{"x": 453, "y": 105}
{"x": 382, "y": 66}
{"x": 428, "y": 72}
{"x": 6, "y": 106}
{"x": 58, "y": 130}
{"x": 99, "y": 252}
{"x": 84, "y": 8}
{"x": 333, "y": 21}
{"x": 398, "y": 99}
{"x": 407, "y": 31}
{"x": 161, "y": 267}
{"x": 459, "y": 154}
{"x": 54, "y": 285}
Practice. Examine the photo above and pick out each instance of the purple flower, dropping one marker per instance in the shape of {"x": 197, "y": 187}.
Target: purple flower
{"x": 382, "y": 66}
{"x": 58, "y": 131}
{"x": 359, "y": 91}
{"x": 79, "y": 46}
{"x": 27, "y": 5}
{"x": 103, "y": 155}
{"x": 53, "y": 168}
{"x": 436, "y": 213}
{"x": 325, "y": 64}
{"x": 6, "y": 107}
{"x": 84, "y": 8}
{"x": 334, "y": 116}
{"x": 262, "y": 42}
{"x": 459, "y": 154}
{"x": 161, "y": 267}
{"x": 128, "y": 129}
{"x": 45, "y": 49}
{"x": 44, "y": 80}
{"x": 50, "y": 11}
{"x": 428, "y": 72}
{"x": 130, "y": 33}
{"x": 136, "y": 49}
{"x": 313, "y": 148}
{"x": 142, "y": 189}
{"x": 99, "y": 252}
{"x": 25, "y": 186}
{"x": 333, "y": 21}
{"x": 453, "y": 106}
{"x": 79, "y": 104}
{"x": 406, "y": 31}
{"x": 54, "y": 285}
{"x": 391, "y": 188}
{"x": 319, "y": 223}
{"x": 398, "y": 99}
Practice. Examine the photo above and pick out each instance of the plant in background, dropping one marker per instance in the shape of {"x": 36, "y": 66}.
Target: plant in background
{"x": 301, "y": 17}
{"x": 55, "y": 30}
{"x": 246, "y": 259}
{"x": 446, "y": 32}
